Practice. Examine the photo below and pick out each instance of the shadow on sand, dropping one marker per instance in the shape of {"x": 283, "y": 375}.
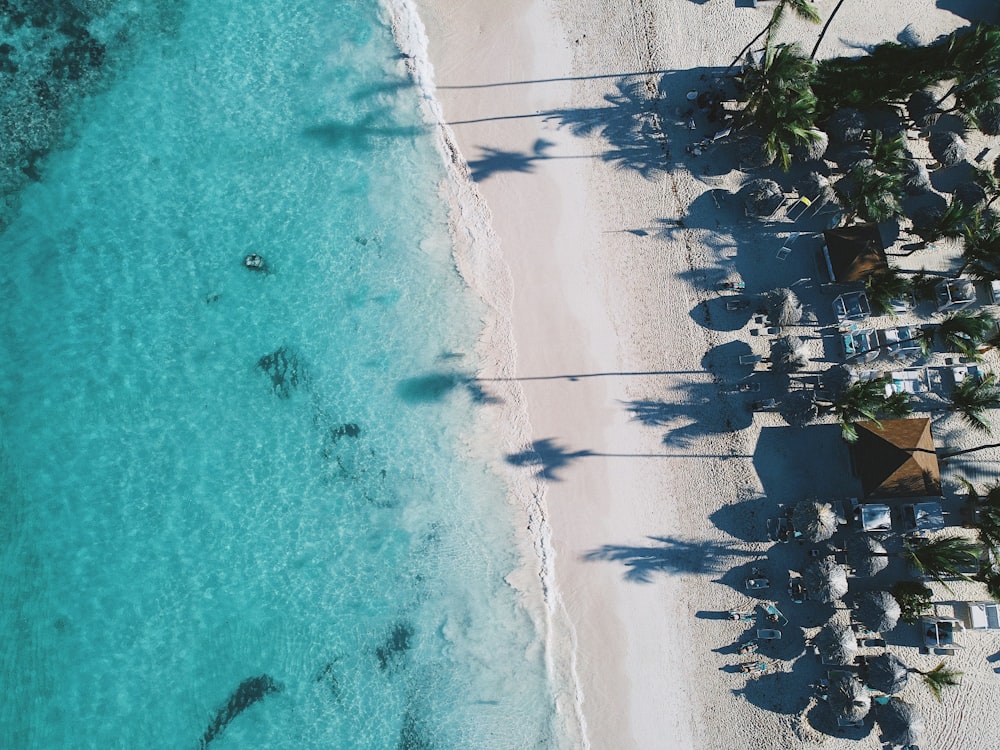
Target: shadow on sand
{"x": 667, "y": 555}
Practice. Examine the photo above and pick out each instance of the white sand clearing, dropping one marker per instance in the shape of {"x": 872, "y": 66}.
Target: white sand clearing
{"x": 646, "y": 477}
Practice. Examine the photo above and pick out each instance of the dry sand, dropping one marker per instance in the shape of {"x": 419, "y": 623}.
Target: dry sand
{"x": 597, "y": 241}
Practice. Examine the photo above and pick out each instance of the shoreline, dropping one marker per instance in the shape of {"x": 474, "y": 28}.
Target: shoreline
{"x": 560, "y": 121}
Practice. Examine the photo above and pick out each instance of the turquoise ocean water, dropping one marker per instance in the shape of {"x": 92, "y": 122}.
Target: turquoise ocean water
{"x": 214, "y": 477}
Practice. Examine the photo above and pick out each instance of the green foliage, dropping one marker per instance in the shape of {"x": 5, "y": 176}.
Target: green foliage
{"x": 949, "y": 223}
{"x": 866, "y": 400}
{"x": 941, "y": 677}
{"x": 924, "y": 285}
{"x": 964, "y": 332}
{"x": 914, "y": 600}
{"x": 887, "y": 285}
{"x": 943, "y": 557}
{"x": 888, "y": 154}
{"x": 972, "y": 398}
{"x": 871, "y": 195}
{"x": 986, "y": 510}
{"x": 981, "y": 247}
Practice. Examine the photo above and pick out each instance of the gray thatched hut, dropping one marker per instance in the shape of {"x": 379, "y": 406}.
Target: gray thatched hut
{"x": 988, "y": 118}
{"x": 947, "y": 147}
{"x": 752, "y": 152}
{"x": 814, "y": 148}
{"x": 825, "y": 580}
{"x": 837, "y": 644}
{"x": 916, "y": 178}
{"x": 814, "y": 520}
{"x": 866, "y": 555}
{"x": 922, "y": 109}
{"x": 783, "y": 307}
{"x": 887, "y": 673}
{"x": 848, "y": 697}
{"x": 817, "y": 188}
{"x": 789, "y": 354}
{"x": 762, "y": 197}
{"x": 846, "y": 125}
{"x": 877, "y": 610}
{"x": 901, "y": 722}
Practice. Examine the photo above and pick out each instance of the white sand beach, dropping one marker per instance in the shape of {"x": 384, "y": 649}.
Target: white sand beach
{"x": 647, "y": 478}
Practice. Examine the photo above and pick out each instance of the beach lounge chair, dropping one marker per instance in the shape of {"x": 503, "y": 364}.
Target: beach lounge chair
{"x": 769, "y": 634}
{"x": 754, "y": 666}
{"x": 749, "y": 647}
{"x": 787, "y": 247}
{"x": 737, "y": 304}
{"x": 796, "y": 591}
{"x": 757, "y": 583}
{"x": 750, "y": 359}
{"x": 798, "y": 209}
{"x": 741, "y": 616}
{"x": 774, "y": 614}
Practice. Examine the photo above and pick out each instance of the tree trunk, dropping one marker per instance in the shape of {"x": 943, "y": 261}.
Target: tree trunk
{"x": 746, "y": 49}
{"x": 822, "y": 33}
{"x": 944, "y": 456}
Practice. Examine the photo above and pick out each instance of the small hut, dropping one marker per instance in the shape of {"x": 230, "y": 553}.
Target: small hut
{"x": 837, "y": 644}
{"x": 897, "y": 458}
{"x": 814, "y": 520}
{"x": 947, "y": 147}
{"x": 762, "y": 197}
{"x": 887, "y": 674}
{"x": 877, "y": 610}
{"x": 901, "y": 722}
{"x": 825, "y": 580}
{"x": 866, "y": 555}
{"x": 854, "y": 253}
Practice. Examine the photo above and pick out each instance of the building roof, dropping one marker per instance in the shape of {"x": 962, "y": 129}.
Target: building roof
{"x": 854, "y": 253}
{"x": 898, "y": 460}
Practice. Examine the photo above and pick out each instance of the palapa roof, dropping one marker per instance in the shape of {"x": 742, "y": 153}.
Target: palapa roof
{"x": 898, "y": 460}
{"x": 855, "y": 252}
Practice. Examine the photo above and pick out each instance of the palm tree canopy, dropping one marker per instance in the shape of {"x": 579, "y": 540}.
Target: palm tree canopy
{"x": 987, "y": 514}
{"x": 888, "y": 152}
{"x": 947, "y": 147}
{"x": 941, "y": 677}
{"x": 825, "y": 580}
{"x": 972, "y": 398}
{"x": 816, "y": 521}
{"x": 942, "y": 557}
{"x": 981, "y": 246}
{"x": 867, "y": 555}
{"x": 887, "y": 673}
{"x": 988, "y": 118}
{"x": 866, "y": 400}
{"x": 837, "y": 643}
{"x": 872, "y": 195}
{"x": 878, "y": 610}
{"x": 964, "y": 331}
{"x": 901, "y": 722}
{"x": 848, "y": 697}
{"x": 887, "y": 286}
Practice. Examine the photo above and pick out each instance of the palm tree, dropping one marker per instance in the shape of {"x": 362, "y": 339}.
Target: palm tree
{"x": 822, "y": 32}
{"x": 940, "y": 677}
{"x": 889, "y": 154}
{"x": 981, "y": 247}
{"x": 943, "y": 557}
{"x": 886, "y": 286}
{"x": 949, "y": 223}
{"x": 964, "y": 332}
{"x": 972, "y": 398}
{"x": 801, "y": 8}
{"x": 866, "y": 400}
{"x": 986, "y": 513}
{"x": 872, "y": 195}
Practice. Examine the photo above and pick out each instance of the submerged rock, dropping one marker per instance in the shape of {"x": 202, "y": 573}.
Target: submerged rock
{"x": 284, "y": 369}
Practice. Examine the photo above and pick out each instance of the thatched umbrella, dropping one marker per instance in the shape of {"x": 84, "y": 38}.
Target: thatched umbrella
{"x": 816, "y": 521}
{"x": 817, "y": 188}
{"x": 916, "y": 178}
{"x": 813, "y": 149}
{"x": 947, "y": 147}
{"x": 762, "y": 197}
{"x": 887, "y": 673}
{"x": 848, "y": 697}
{"x": 837, "y": 644}
{"x": 922, "y": 109}
{"x": 970, "y": 195}
{"x": 877, "y": 610}
{"x": 825, "y": 580}
{"x": 886, "y": 121}
{"x": 901, "y": 722}
{"x": 799, "y": 407}
{"x": 752, "y": 152}
{"x": 988, "y": 118}
{"x": 866, "y": 555}
{"x": 789, "y": 354}
{"x": 846, "y": 125}
{"x": 783, "y": 307}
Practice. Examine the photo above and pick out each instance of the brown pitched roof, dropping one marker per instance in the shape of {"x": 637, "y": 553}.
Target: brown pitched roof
{"x": 855, "y": 252}
{"x": 898, "y": 460}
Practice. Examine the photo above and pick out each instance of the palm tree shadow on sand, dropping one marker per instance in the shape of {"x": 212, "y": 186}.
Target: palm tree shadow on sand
{"x": 548, "y": 456}
{"x": 667, "y": 555}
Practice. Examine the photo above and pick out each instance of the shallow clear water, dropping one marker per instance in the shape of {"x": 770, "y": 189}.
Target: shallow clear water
{"x": 211, "y": 474}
